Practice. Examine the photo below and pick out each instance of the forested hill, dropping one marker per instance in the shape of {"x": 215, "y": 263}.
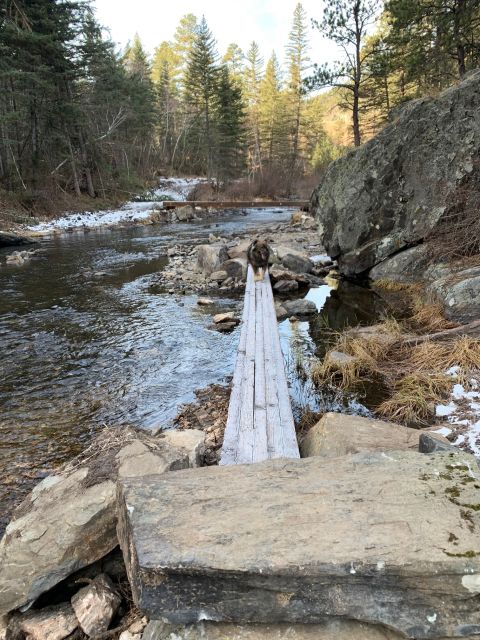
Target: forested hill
{"x": 82, "y": 119}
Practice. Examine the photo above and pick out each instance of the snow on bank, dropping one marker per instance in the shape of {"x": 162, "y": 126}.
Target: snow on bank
{"x": 463, "y": 415}
{"x": 171, "y": 188}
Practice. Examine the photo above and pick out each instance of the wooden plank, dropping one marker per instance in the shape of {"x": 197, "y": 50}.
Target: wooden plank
{"x": 230, "y": 440}
{"x": 235, "y": 204}
{"x": 260, "y": 410}
{"x": 285, "y": 439}
{"x": 246, "y": 438}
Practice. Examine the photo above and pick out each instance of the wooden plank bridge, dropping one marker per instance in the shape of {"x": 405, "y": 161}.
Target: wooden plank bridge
{"x": 260, "y": 421}
{"x": 235, "y": 204}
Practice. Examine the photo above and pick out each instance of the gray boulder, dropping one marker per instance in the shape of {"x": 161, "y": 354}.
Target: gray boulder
{"x": 299, "y": 264}
{"x": 381, "y": 538}
{"x": 404, "y": 267}
{"x": 300, "y": 307}
{"x": 96, "y": 604}
{"x": 459, "y": 294}
{"x": 235, "y": 268}
{"x": 210, "y": 257}
{"x": 69, "y": 519}
{"x": 285, "y": 286}
{"x": 9, "y": 239}
{"x": 392, "y": 191}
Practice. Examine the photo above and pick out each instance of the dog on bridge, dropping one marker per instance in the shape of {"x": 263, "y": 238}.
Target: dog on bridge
{"x": 258, "y": 255}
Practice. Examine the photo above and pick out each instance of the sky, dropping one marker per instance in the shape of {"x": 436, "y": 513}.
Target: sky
{"x": 268, "y": 22}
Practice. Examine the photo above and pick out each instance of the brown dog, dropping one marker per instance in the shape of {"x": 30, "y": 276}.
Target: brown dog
{"x": 258, "y": 255}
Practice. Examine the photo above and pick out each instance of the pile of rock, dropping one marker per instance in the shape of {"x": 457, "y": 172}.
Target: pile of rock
{"x": 54, "y": 555}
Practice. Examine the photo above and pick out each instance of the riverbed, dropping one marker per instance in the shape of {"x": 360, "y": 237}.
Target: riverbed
{"x": 86, "y": 343}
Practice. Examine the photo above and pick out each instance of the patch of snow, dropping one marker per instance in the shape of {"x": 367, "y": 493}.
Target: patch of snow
{"x": 443, "y": 431}
{"x": 320, "y": 258}
{"x": 453, "y": 371}
{"x": 173, "y": 188}
{"x": 463, "y": 415}
{"x": 442, "y": 410}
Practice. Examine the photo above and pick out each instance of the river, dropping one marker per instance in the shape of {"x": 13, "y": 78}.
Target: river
{"x": 85, "y": 343}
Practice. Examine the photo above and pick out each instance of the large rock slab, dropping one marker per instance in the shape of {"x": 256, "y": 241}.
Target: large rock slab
{"x": 69, "y": 520}
{"x": 333, "y": 629}
{"x": 405, "y": 267}
{"x": 384, "y": 538}
{"x": 391, "y": 192}
{"x": 338, "y": 434}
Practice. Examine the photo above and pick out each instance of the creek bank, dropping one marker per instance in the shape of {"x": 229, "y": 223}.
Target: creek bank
{"x": 11, "y": 239}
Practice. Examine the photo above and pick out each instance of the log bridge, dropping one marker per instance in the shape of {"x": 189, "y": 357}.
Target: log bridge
{"x": 260, "y": 421}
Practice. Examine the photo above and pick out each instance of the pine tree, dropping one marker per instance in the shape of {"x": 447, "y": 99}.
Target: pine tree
{"x": 297, "y": 56}
{"x": 346, "y": 23}
{"x": 252, "y": 77}
{"x": 273, "y": 122}
{"x": 200, "y": 92}
{"x": 234, "y": 58}
{"x": 229, "y": 128}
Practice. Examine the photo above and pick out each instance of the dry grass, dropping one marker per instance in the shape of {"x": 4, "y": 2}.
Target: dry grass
{"x": 414, "y": 375}
{"x": 413, "y": 398}
{"x": 428, "y": 318}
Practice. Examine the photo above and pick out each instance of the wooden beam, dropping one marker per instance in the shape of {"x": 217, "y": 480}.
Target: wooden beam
{"x": 236, "y": 204}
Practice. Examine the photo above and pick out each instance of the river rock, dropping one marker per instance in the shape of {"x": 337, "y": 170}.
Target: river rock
{"x": 384, "y": 538}
{"x": 96, "y": 604}
{"x": 431, "y": 442}
{"x": 50, "y": 623}
{"x": 299, "y": 307}
{"x": 285, "y": 286}
{"x": 191, "y": 441}
{"x": 9, "y": 239}
{"x": 459, "y": 294}
{"x": 204, "y": 301}
{"x": 185, "y": 213}
{"x": 277, "y": 274}
{"x": 239, "y": 250}
{"x": 69, "y": 519}
{"x": 235, "y": 268}
{"x": 224, "y": 317}
{"x": 297, "y": 263}
{"x": 210, "y": 257}
{"x": 218, "y": 276}
{"x": 392, "y": 191}
{"x": 338, "y": 434}
{"x": 328, "y": 630}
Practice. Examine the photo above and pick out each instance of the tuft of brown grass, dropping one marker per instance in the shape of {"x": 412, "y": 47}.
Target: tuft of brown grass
{"x": 428, "y": 318}
{"x": 392, "y": 286}
{"x": 463, "y": 352}
{"x": 413, "y": 398}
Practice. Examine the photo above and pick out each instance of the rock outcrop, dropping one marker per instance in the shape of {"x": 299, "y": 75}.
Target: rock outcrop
{"x": 381, "y": 538}
{"x": 9, "y": 239}
{"x": 392, "y": 192}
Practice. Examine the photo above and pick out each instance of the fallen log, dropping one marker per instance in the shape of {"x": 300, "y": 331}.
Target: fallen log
{"x": 470, "y": 329}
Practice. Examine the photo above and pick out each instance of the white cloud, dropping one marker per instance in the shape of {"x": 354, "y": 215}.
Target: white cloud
{"x": 266, "y": 21}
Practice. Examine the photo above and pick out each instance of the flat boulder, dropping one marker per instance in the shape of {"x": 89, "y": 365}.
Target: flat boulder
{"x": 51, "y": 623}
{"x": 69, "y": 519}
{"x": 285, "y": 286}
{"x": 338, "y": 434}
{"x": 239, "y": 250}
{"x": 210, "y": 257}
{"x": 381, "y": 538}
{"x": 300, "y": 307}
{"x": 297, "y": 263}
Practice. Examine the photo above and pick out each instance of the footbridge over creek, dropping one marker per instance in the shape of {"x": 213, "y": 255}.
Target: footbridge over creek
{"x": 266, "y": 537}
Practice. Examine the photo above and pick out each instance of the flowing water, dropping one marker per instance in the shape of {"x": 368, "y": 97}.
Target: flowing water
{"x": 84, "y": 342}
